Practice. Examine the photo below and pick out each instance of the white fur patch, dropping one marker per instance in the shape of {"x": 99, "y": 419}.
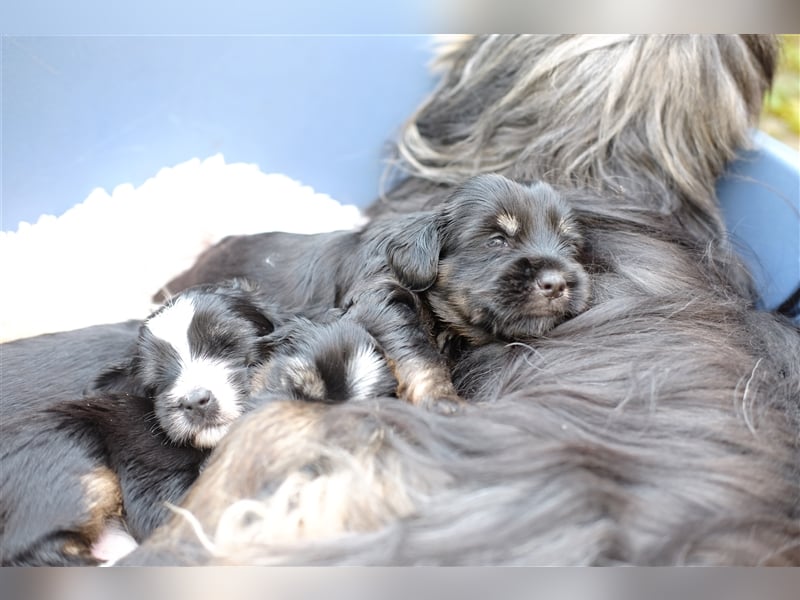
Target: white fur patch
{"x": 209, "y": 437}
{"x": 113, "y": 544}
{"x": 172, "y": 326}
{"x": 305, "y": 377}
{"x": 212, "y": 375}
{"x": 364, "y": 372}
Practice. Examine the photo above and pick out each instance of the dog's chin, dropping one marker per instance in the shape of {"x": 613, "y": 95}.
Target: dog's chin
{"x": 529, "y": 319}
{"x": 521, "y": 328}
{"x": 538, "y": 307}
{"x": 209, "y": 437}
{"x": 204, "y": 436}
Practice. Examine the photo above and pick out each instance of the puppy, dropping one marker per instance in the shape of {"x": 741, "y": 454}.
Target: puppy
{"x": 140, "y": 436}
{"x": 57, "y": 494}
{"x": 333, "y": 359}
{"x": 161, "y": 411}
{"x": 497, "y": 261}
{"x": 194, "y": 358}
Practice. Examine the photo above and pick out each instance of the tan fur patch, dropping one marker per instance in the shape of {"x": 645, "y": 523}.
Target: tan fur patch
{"x": 103, "y": 499}
{"x": 509, "y": 224}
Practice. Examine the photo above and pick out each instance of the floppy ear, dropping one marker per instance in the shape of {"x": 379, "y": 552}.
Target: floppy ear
{"x": 114, "y": 378}
{"x": 413, "y": 253}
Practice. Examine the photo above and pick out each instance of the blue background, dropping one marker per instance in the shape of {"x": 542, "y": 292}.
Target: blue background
{"x": 105, "y": 104}
{"x": 81, "y": 112}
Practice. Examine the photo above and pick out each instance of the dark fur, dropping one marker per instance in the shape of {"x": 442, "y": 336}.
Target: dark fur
{"x": 57, "y": 447}
{"x": 472, "y": 277}
{"x": 658, "y": 427}
{"x": 151, "y": 468}
{"x": 316, "y": 361}
{"x": 47, "y": 516}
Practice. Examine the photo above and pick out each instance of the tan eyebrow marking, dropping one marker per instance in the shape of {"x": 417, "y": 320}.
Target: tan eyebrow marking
{"x": 508, "y": 223}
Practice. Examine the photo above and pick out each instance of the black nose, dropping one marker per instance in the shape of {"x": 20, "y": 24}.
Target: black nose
{"x": 199, "y": 401}
{"x": 550, "y": 284}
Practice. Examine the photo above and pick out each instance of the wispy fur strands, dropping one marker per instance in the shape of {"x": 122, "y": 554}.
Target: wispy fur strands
{"x": 654, "y": 117}
{"x": 660, "y": 426}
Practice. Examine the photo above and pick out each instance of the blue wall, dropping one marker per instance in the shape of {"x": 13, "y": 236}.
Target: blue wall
{"x": 82, "y": 112}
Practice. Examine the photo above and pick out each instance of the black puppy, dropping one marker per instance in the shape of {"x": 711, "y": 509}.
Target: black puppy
{"x": 497, "y": 261}
{"x": 56, "y": 493}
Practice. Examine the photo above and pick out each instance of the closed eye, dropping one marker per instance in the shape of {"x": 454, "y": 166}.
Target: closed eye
{"x": 497, "y": 241}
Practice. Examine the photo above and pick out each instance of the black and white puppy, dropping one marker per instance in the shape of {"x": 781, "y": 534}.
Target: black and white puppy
{"x": 331, "y": 359}
{"x": 74, "y": 466}
{"x": 498, "y": 260}
{"x": 203, "y": 359}
{"x": 194, "y": 358}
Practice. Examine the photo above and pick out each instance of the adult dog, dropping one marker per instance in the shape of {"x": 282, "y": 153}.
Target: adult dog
{"x": 657, "y": 427}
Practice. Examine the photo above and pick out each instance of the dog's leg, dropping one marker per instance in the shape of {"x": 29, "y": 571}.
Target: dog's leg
{"x": 394, "y": 317}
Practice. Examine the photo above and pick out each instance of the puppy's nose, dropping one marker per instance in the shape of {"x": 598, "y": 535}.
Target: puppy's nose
{"x": 550, "y": 284}
{"x": 199, "y": 401}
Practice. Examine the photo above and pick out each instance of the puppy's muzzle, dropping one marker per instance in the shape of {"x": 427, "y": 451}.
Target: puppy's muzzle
{"x": 199, "y": 405}
{"x": 550, "y": 283}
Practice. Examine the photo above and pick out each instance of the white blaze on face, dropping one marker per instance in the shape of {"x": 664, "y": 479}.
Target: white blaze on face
{"x": 171, "y": 325}
{"x": 210, "y": 374}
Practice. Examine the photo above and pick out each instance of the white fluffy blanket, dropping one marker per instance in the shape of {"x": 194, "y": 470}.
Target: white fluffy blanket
{"x": 102, "y": 260}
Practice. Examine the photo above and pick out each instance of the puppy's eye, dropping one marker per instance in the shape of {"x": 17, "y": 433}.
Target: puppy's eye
{"x": 497, "y": 241}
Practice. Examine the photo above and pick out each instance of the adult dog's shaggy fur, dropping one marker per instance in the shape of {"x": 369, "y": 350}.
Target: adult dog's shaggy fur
{"x": 660, "y": 426}
{"x": 496, "y": 260}
{"x": 654, "y": 118}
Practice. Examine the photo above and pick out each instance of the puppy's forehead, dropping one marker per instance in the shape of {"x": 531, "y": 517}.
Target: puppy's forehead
{"x": 171, "y": 323}
{"x": 520, "y": 210}
{"x": 545, "y": 205}
{"x": 179, "y": 321}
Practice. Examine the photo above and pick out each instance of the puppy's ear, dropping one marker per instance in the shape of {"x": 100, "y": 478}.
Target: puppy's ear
{"x": 413, "y": 252}
{"x": 114, "y": 378}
